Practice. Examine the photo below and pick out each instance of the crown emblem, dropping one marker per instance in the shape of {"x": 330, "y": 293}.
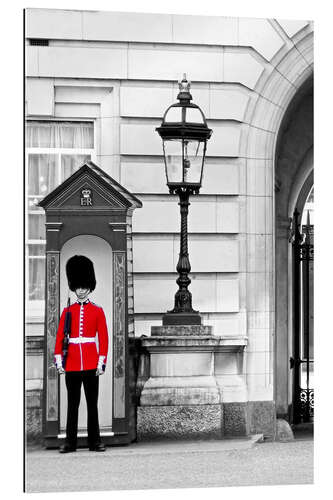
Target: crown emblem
{"x": 86, "y": 198}
{"x": 86, "y": 193}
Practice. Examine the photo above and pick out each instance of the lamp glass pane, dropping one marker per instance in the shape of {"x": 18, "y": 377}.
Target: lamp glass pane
{"x": 193, "y": 157}
{"x": 173, "y": 115}
{"x": 173, "y": 160}
{"x": 193, "y": 115}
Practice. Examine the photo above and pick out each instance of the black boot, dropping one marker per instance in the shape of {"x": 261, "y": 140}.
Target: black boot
{"x": 66, "y": 448}
{"x": 97, "y": 447}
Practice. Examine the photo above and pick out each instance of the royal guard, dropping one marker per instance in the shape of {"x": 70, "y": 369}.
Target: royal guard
{"x": 76, "y": 352}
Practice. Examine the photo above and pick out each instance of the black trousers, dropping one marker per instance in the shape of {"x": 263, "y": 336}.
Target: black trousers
{"x": 74, "y": 381}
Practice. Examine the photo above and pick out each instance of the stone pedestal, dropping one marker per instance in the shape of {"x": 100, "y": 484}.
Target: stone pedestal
{"x": 183, "y": 395}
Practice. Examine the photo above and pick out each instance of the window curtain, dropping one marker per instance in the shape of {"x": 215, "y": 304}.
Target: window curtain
{"x": 59, "y": 135}
{"x": 71, "y": 163}
{"x": 42, "y": 174}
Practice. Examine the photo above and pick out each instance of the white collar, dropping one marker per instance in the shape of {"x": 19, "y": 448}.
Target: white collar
{"x": 83, "y": 303}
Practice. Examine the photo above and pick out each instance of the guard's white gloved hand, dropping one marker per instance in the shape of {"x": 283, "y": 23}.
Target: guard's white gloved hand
{"x": 58, "y": 363}
{"x": 100, "y": 366}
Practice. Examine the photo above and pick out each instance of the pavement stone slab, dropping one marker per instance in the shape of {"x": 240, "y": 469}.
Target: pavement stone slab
{"x": 155, "y": 465}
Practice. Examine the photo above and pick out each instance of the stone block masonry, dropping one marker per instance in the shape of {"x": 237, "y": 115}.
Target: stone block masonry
{"x": 179, "y": 422}
{"x": 33, "y": 416}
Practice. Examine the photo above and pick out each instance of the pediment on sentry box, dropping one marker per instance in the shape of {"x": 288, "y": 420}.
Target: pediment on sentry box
{"x": 90, "y": 188}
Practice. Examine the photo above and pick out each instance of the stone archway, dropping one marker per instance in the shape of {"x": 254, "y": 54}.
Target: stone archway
{"x": 277, "y": 144}
{"x": 293, "y": 182}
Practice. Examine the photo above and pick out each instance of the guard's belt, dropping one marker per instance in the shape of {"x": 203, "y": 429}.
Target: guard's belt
{"x": 81, "y": 340}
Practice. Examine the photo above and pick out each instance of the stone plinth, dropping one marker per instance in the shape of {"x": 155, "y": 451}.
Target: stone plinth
{"x": 195, "y": 380}
{"x": 180, "y": 399}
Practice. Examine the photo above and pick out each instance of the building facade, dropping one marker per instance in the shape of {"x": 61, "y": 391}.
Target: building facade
{"x": 97, "y": 86}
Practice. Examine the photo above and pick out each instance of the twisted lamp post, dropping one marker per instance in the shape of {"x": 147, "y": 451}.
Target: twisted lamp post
{"x": 184, "y": 132}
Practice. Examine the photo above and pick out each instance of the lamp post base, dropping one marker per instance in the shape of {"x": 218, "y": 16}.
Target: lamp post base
{"x": 178, "y": 318}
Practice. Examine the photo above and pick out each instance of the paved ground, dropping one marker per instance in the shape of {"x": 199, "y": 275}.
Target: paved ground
{"x": 158, "y": 465}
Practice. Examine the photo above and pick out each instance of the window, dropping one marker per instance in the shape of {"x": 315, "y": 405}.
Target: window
{"x": 308, "y": 210}
{"x": 55, "y": 150}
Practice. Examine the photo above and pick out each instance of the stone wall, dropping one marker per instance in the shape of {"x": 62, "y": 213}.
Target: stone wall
{"x": 34, "y": 387}
{"x": 33, "y": 415}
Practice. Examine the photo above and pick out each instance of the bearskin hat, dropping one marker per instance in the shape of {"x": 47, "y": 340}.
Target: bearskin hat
{"x": 80, "y": 273}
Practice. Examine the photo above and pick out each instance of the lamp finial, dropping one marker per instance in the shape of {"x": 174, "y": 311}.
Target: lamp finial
{"x": 184, "y": 89}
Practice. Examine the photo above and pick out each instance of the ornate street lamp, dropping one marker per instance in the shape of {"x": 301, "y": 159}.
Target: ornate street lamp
{"x": 184, "y": 132}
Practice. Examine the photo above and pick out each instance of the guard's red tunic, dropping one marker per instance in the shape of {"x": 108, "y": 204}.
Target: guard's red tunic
{"x": 87, "y": 319}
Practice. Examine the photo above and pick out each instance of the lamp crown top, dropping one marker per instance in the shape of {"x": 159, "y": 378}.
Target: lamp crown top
{"x": 184, "y": 89}
{"x": 184, "y": 85}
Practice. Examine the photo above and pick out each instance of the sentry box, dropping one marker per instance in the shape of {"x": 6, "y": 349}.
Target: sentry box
{"x": 91, "y": 214}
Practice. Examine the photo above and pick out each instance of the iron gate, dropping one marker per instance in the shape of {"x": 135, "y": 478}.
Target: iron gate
{"x": 302, "y": 362}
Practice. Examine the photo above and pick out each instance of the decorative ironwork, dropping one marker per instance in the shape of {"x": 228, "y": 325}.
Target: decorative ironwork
{"x": 305, "y": 405}
{"x": 306, "y": 252}
{"x": 52, "y": 318}
{"x": 303, "y": 255}
{"x": 183, "y": 297}
{"x": 119, "y": 328}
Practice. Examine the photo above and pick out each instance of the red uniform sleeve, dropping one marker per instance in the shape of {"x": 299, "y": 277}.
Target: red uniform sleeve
{"x": 102, "y": 330}
{"x": 60, "y": 334}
